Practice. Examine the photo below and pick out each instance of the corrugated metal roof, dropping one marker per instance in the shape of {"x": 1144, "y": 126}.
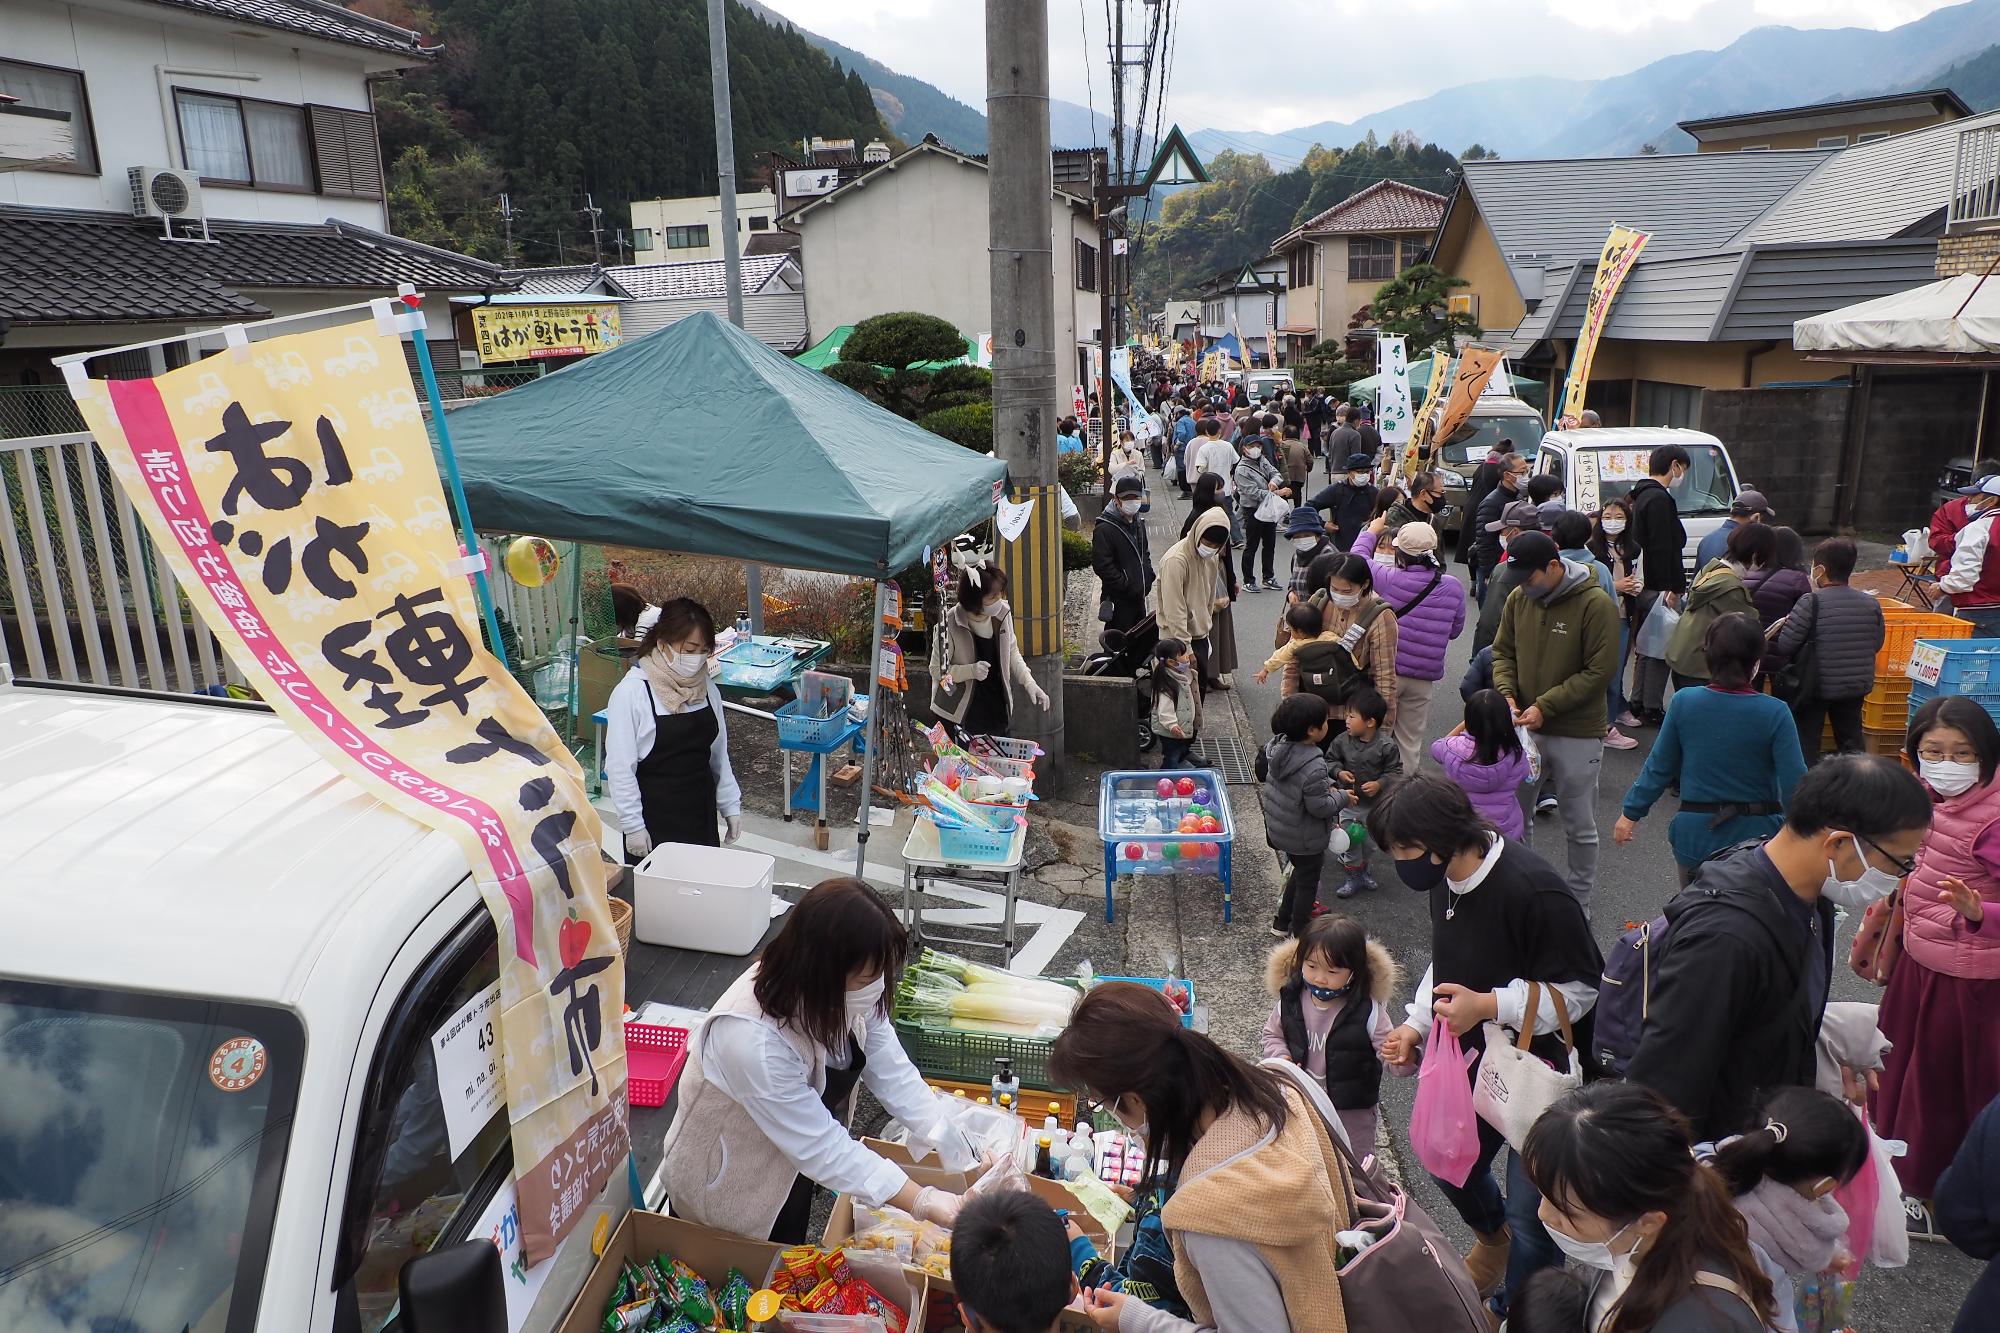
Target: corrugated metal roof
{"x": 698, "y": 279}
{"x": 1868, "y": 192}
{"x": 1553, "y": 212}
{"x": 1784, "y": 284}
{"x": 776, "y": 317}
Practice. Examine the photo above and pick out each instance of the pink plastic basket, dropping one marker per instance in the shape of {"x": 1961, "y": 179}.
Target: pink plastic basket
{"x": 654, "y": 1054}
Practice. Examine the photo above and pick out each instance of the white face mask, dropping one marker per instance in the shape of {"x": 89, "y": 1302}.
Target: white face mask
{"x": 1947, "y": 777}
{"x": 865, "y": 1000}
{"x": 1346, "y": 601}
{"x": 1304, "y": 543}
{"x": 1208, "y": 552}
{"x": 1137, "y": 1131}
{"x": 686, "y": 665}
{"x": 1856, "y": 894}
{"x": 1613, "y": 526}
{"x": 996, "y": 607}
{"x": 1596, "y": 1253}
{"x": 1130, "y": 506}
{"x": 1253, "y": 454}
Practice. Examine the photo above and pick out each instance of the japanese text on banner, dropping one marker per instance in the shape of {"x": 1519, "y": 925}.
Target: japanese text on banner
{"x": 292, "y": 489}
{"x": 530, "y": 332}
{"x": 1621, "y": 251}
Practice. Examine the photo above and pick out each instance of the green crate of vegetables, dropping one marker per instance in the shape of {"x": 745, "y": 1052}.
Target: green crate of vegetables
{"x": 955, "y": 1018}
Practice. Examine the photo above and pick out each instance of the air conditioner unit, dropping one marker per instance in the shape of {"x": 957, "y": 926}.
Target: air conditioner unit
{"x": 1464, "y": 303}
{"x": 169, "y": 195}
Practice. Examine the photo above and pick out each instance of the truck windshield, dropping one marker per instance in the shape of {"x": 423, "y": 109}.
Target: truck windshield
{"x": 1524, "y": 431}
{"x": 141, "y": 1141}
{"x": 1708, "y": 488}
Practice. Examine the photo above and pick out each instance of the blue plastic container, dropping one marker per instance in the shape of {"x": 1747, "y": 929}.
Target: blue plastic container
{"x": 1140, "y": 827}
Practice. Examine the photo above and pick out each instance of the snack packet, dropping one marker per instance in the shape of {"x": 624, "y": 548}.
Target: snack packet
{"x": 733, "y": 1301}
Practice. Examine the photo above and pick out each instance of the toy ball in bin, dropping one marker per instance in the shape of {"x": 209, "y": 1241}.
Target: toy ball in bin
{"x": 1165, "y": 787}
{"x": 1185, "y": 787}
{"x": 532, "y": 561}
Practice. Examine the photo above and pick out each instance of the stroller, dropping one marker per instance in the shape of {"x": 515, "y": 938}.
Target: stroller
{"x": 1129, "y": 652}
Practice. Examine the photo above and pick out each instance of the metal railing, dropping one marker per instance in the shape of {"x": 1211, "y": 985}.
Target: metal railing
{"x": 37, "y": 409}
{"x": 1975, "y": 187}
{"x": 84, "y": 595}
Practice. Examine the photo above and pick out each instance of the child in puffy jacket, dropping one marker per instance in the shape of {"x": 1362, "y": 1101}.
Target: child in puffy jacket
{"x": 1301, "y": 804}
{"x": 1483, "y": 755}
{"x": 1332, "y": 986}
{"x": 1365, "y": 759}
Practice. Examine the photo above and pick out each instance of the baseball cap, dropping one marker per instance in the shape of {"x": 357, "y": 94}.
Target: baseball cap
{"x": 1752, "y": 502}
{"x": 1525, "y": 514}
{"x": 1984, "y": 486}
{"x": 1128, "y": 485}
{"x": 1533, "y": 550}
{"x": 1416, "y": 539}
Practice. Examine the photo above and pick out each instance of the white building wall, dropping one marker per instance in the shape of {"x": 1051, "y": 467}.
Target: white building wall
{"x": 131, "y": 62}
{"x": 916, "y": 238}
{"x": 697, "y": 211}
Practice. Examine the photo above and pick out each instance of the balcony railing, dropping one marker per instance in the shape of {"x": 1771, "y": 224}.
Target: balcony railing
{"x": 1975, "y": 189}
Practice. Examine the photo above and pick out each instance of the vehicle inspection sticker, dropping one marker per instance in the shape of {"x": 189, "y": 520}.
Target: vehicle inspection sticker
{"x": 236, "y": 1064}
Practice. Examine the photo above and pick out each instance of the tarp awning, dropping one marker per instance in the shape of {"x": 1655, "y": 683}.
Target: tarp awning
{"x": 1955, "y": 317}
{"x": 827, "y": 351}
{"x": 701, "y": 439}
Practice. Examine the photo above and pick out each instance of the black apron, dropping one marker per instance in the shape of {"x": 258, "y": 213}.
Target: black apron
{"x": 676, "y": 784}
{"x": 796, "y": 1215}
{"x": 986, "y": 711}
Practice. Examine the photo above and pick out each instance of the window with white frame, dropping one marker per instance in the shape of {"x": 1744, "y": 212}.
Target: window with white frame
{"x": 49, "y": 88}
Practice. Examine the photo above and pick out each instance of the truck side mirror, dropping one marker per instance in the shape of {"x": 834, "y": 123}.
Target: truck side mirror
{"x": 455, "y": 1289}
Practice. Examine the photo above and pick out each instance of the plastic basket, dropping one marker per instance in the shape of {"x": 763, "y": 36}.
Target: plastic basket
{"x": 969, "y": 1056}
{"x": 1970, "y": 667}
{"x": 1160, "y": 984}
{"x": 796, "y": 731}
{"x": 1904, "y": 626}
{"x": 1006, "y": 747}
{"x": 654, "y": 1054}
{"x": 1923, "y": 694}
{"x": 973, "y": 846}
{"x": 1887, "y": 705}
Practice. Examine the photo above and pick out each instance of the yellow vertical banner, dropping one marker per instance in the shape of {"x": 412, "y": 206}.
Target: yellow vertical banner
{"x": 1475, "y": 367}
{"x": 1421, "y": 437}
{"x": 1621, "y": 251}
{"x": 291, "y": 487}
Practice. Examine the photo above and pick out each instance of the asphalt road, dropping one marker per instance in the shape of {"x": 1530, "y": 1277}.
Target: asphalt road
{"x": 1632, "y": 884}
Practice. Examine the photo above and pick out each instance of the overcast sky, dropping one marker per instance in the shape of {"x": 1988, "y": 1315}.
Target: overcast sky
{"x": 1328, "y": 59}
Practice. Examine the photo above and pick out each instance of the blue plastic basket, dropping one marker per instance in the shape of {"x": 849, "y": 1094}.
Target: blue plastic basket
{"x": 974, "y": 846}
{"x": 1160, "y": 984}
{"x": 1970, "y": 667}
{"x": 796, "y": 731}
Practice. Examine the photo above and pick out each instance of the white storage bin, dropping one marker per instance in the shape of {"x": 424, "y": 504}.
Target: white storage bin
{"x": 715, "y": 899}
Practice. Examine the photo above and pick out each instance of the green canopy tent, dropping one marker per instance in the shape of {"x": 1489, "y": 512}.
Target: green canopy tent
{"x": 1365, "y": 390}
{"x": 700, "y": 439}
{"x": 827, "y": 351}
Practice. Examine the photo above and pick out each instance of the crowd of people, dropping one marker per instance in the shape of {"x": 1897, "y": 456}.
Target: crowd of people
{"x": 1699, "y": 1176}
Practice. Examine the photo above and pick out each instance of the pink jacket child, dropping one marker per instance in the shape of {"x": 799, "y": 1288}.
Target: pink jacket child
{"x": 1493, "y": 786}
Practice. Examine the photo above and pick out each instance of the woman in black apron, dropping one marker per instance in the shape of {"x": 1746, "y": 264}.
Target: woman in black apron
{"x": 666, "y": 746}
{"x": 981, "y": 663}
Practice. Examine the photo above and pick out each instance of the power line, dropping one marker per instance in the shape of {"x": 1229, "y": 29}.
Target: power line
{"x": 1089, "y": 97}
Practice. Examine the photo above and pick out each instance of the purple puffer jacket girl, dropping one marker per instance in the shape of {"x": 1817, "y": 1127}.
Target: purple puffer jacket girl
{"x": 1426, "y": 629}
{"x": 1492, "y": 787}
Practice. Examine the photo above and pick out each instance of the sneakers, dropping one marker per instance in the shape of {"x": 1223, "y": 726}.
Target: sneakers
{"x": 1279, "y": 928}
{"x": 1628, "y": 720}
{"x": 1615, "y": 739}
{"x": 1250, "y": 585}
{"x": 1357, "y": 881}
{"x": 1486, "y": 1261}
{"x": 1273, "y": 585}
{"x": 1917, "y": 1220}
{"x": 1545, "y": 807}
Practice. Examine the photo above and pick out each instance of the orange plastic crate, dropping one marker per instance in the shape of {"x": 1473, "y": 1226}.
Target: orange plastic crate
{"x": 1887, "y": 707}
{"x": 1905, "y": 625}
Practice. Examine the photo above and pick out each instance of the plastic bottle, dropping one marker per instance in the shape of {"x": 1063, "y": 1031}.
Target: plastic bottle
{"x": 1052, "y": 1122}
{"x": 1004, "y": 1080}
{"x": 1084, "y": 1140}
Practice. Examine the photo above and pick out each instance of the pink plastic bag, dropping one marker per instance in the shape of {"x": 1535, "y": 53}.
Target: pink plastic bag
{"x": 1860, "y": 1197}
{"x": 1444, "y": 1130}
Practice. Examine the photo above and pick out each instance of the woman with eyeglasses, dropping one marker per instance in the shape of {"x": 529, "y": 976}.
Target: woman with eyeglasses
{"x": 1943, "y": 1065}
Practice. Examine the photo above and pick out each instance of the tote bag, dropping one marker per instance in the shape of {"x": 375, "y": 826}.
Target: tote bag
{"x": 1515, "y": 1086}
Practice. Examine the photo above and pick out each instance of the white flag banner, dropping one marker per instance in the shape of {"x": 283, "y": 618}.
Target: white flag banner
{"x": 1392, "y": 407}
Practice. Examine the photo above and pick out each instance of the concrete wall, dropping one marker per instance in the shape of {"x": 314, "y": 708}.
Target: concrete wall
{"x": 1786, "y": 442}
{"x": 700, "y": 211}
{"x": 131, "y": 62}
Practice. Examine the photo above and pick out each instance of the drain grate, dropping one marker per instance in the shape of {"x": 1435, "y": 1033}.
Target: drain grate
{"x": 1225, "y": 755}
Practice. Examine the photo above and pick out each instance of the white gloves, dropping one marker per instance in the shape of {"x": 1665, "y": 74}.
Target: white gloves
{"x": 1039, "y": 695}
{"x": 934, "y": 1205}
{"x": 732, "y": 827}
{"x": 981, "y": 670}
{"x": 638, "y": 842}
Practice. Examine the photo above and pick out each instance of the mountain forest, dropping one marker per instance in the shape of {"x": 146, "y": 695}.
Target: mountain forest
{"x": 565, "y": 104}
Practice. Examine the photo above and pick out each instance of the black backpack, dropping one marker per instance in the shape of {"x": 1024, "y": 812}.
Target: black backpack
{"x": 1326, "y": 666}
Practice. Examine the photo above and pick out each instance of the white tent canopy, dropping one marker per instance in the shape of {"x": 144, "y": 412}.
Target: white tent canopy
{"x": 1957, "y": 317}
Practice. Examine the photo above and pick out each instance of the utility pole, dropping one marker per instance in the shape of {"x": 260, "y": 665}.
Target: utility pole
{"x": 1020, "y": 185}
{"x": 1107, "y": 415}
{"x": 507, "y": 230}
{"x": 562, "y": 255}
{"x": 618, "y": 239}
{"x": 595, "y": 214}
{"x": 732, "y": 255}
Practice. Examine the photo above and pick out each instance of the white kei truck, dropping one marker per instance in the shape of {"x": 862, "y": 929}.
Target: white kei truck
{"x": 240, "y": 1025}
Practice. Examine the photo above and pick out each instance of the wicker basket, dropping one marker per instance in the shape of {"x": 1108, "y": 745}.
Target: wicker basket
{"x": 621, "y": 921}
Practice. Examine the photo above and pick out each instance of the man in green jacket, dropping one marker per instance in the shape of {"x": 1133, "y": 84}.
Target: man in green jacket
{"x": 1552, "y": 658}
